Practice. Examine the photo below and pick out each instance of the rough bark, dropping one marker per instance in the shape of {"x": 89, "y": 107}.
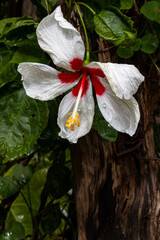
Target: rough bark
{"x": 117, "y": 184}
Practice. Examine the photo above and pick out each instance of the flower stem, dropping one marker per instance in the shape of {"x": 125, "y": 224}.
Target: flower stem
{"x": 158, "y": 69}
{"x": 86, "y": 36}
{"x": 47, "y": 6}
{"x": 82, "y": 3}
{"x": 69, "y": 4}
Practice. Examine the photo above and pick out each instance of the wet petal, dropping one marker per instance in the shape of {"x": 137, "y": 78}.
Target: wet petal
{"x": 121, "y": 114}
{"x": 85, "y": 111}
{"x": 60, "y": 40}
{"x": 124, "y": 79}
{"x": 41, "y": 81}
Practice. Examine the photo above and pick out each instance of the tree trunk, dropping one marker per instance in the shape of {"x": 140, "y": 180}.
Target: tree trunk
{"x": 117, "y": 184}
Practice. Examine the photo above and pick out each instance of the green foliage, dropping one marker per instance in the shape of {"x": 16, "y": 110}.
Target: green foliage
{"x": 8, "y": 187}
{"x": 151, "y": 10}
{"x": 15, "y": 231}
{"x": 25, "y": 54}
{"x": 103, "y": 4}
{"x": 149, "y": 43}
{"x": 22, "y": 120}
{"x": 51, "y": 219}
{"x": 22, "y": 174}
{"x": 124, "y": 52}
{"x": 13, "y": 31}
{"x": 22, "y": 212}
{"x": 126, "y": 4}
{"x": 8, "y": 70}
{"x": 137, "y": 45}
{"x": 112, "y": 25}
{"x": 58, "y": 180}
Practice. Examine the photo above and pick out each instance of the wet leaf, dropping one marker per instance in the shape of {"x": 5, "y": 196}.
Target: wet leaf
{"x": 15, "y": 231}
{"x": 8, "y": 187}
{"x": 22, "y": 174}
{"x": 8, "y": 70}
{"x": 22, "y": 120}
{"x": 112, "y": 25}
{"x": 19, "y": 210}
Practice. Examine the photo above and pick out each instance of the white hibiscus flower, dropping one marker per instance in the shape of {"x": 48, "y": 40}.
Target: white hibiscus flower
{"x": 114, "y": 84}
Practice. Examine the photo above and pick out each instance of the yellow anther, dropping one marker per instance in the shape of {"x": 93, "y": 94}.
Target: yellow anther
{"x": 73, "y": 121}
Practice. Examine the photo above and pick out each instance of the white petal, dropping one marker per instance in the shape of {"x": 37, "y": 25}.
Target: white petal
{"x": 60, "y": 39}
{"x": 124, "y": 79}
{"x": 121, "y": 114}
{"x": 41, "y": 81}
{"x": 86, "y": 113}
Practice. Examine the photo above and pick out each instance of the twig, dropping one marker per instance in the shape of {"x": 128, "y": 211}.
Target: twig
{"x": 25, "y": 159}
{"x": 136, "y": 8}
{"x": 103, "y": 50}
{"x": 129, "y": 150}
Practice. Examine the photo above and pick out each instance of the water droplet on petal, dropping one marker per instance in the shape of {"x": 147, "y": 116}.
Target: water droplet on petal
{"x": 104, "y": 105}
{"x": 79, "y": 109}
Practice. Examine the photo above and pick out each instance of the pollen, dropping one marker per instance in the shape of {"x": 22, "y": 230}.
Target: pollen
{"x": 73, "y": 121}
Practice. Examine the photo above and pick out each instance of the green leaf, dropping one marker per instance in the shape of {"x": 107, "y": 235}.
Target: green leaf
{"x": 4, "y": 22}
{"x": 19, "y": 210}
{"x": 2, "y": 237}
{"x": 22, "y": 174}
{"x": 16, "y": 31}
{"x": 149, "y": 43}
{"x": 8, "y": 70}
{"x": 14, "y": 23}
{"x": 5, "y": 56}
{"x": 59, "y": 180}
{"x": 137, "y": 45}
{"x": 51, "y": 219}
{"x": 113, "y": 26}
{"x": 103, "y": 128}
{"x": 30, "y": 53}
{"x": 16, "y": 231}
{"x": 10, "y": 87}
{"x": 126, "y": 4}
{"x": 97, "y": 6}
{"x": 8, "y": 187}
{"x": 124, "y": 52}
{"x": 151, "y": 10}
{"x": 22, "y": 120}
